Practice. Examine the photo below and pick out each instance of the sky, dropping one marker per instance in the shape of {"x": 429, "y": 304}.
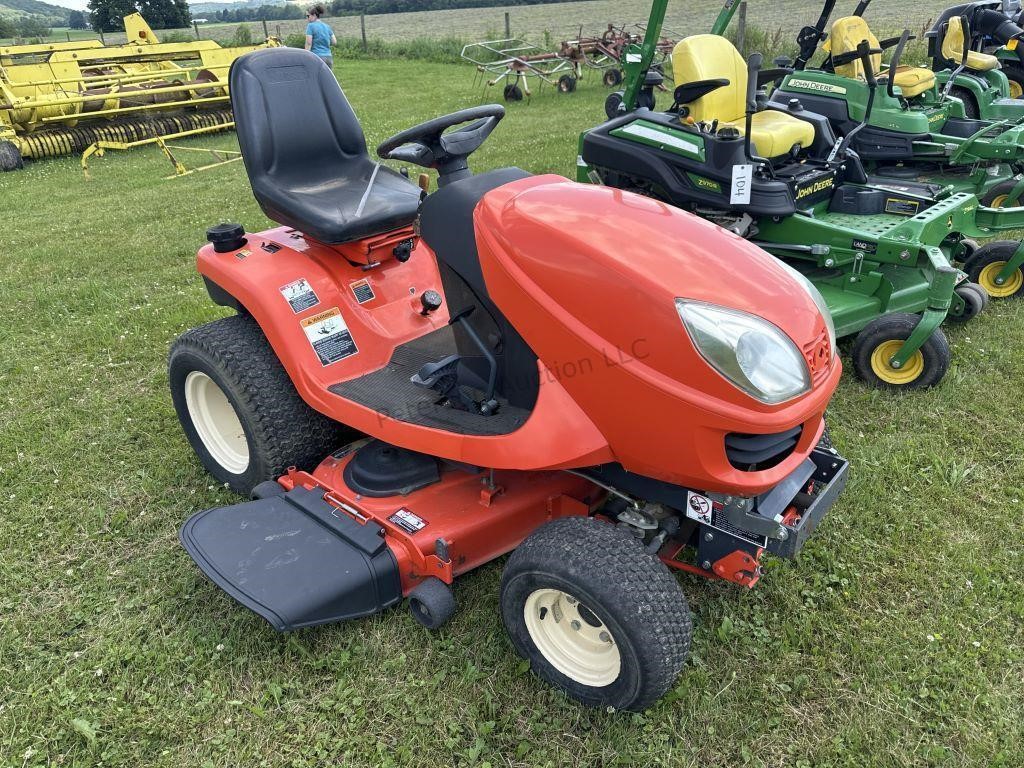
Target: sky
{"x": 80, "y": 5}
{"x": 76, "y": 4}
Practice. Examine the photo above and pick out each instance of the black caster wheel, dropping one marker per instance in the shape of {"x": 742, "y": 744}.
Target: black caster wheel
{"x": 974, "y": 299}
{"x": 432, "y": 602}
{"x": 612, "y": 104}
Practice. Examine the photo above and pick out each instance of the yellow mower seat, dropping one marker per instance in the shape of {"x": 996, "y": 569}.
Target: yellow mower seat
{"x": 848, "y": 32}
{"x": 913, "y": 81}
{"x": 953, "y": 48}
{"x": 709, "y": 57}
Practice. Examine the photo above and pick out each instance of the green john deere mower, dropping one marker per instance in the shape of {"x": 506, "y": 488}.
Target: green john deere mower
{"x": 978, "y": 46}
{"x": 914, "y": 129}
{"x": 879, "y": 255}
{"x": 988, "y": 84}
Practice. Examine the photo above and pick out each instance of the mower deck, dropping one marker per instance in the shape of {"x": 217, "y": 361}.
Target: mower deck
{"x": 324, "y": 551}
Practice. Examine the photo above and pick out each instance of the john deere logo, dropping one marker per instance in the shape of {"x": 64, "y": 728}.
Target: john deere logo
{"x": 817, "y": 186}
{"x": 811, "y": 85}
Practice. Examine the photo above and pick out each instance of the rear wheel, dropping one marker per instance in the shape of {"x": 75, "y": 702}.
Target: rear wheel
{"x": 1001, "y": 195}
{"x": 882, "y": 338}
{"x": 1015, "y": 74}
{"x": 595, "y": 614}
{"x": 238, "y": 407}
{"x": 985, "y": 264}
{"x": 970, "y": 104}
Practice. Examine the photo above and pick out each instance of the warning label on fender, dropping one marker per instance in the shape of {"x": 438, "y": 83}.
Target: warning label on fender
{"x": 363, "y": 291}
{"x": 331, "y": 339}
{"x": 406, "y": 520}
{"x": 300, "y": 295}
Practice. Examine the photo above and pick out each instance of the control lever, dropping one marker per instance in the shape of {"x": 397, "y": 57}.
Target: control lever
{"x": 489, "y": 404}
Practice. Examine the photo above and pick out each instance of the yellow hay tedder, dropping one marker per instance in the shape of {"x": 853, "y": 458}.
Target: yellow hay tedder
{"x": 61, "y": 98}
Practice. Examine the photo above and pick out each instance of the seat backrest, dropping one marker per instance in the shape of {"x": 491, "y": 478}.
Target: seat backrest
{"x": 708, "y": 57}
{"x": 285, "y": 102}
{"x": 847, "y": 33}
{"x": 953, "y": 40}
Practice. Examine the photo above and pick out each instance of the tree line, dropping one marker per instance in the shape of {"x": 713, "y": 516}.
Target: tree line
{"x": 107, "y": 15}
{"x": 24, "y": 27}
{"x": 263, "y": 13}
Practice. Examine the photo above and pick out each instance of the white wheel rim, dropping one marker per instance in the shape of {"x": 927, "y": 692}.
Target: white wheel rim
{"x": 570, "y": 640}
{"x": 216, "y": 422}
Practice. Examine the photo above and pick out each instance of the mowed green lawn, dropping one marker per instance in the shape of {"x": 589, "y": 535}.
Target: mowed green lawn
{"x": 895, "y": 640}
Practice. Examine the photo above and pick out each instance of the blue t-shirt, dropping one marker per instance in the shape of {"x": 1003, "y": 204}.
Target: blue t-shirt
{"x": 321, "y": 35}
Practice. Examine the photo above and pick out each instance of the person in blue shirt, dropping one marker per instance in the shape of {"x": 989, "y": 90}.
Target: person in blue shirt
{"x": 319, "y": 36}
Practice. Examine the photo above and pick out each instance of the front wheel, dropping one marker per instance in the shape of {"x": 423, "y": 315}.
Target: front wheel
{"x": 985, "y": 264}
{"x": 881, "y": 339}
{"x": 595, "y": 614}
{"x": 239, "y": 409}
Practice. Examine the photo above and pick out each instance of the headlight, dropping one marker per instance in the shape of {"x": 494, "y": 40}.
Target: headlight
{"x": 749, "y": 351}
{"x": 819, "y": 300}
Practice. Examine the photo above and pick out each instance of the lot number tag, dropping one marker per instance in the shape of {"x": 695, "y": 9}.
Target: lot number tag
{"x": 741, "y": 181}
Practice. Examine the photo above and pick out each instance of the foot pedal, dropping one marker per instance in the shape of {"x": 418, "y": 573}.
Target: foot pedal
{"x": 295, "y": 559}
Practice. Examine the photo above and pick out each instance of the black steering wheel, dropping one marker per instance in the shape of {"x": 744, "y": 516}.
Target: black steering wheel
{"x": 429, "y": 146}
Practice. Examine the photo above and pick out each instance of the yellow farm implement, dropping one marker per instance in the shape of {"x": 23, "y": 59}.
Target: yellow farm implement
{"x": 61, "y": 98}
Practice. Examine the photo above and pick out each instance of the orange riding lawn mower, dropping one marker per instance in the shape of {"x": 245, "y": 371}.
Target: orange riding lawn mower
{"x": 413, "y": 384}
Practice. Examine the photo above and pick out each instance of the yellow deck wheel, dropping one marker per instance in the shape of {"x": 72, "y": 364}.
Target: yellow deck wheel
{"x": 1016, "y": 91}
{"x": 987, "y": 280}
{"x": 898, "y": 377}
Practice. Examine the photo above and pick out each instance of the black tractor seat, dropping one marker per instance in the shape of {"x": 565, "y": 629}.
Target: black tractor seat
{"x": 305, "y": 152}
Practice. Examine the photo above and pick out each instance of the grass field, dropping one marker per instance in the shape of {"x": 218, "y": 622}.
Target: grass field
{"x": 896, "y": 640}
{"x": 559, "y": 21}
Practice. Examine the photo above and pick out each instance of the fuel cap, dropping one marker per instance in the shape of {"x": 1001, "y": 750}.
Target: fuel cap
{"x": 226, "y": 237}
